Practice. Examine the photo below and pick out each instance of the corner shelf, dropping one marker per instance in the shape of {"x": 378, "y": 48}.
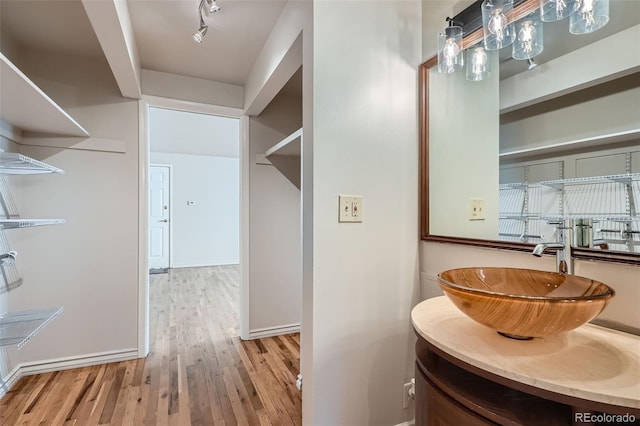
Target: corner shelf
{"x": 17, "y": 164}
{"x": 285, "y": 156}
{"x": 25, "y": 106}
{"x": 17, "y": 328}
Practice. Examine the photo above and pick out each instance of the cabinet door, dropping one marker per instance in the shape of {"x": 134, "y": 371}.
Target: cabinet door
{"x": 434, "y": 408}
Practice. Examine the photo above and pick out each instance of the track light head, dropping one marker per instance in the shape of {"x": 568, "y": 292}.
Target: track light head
{"x": 210, "y": 7}
{"x": 199, "y": 35}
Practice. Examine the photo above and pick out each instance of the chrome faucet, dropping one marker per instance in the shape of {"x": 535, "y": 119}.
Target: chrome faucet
{"x": 564, "y": 261}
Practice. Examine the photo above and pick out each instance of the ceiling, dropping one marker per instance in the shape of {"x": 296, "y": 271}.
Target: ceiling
{"x": 236, "y": 35}
{"x": 162, "y": 30}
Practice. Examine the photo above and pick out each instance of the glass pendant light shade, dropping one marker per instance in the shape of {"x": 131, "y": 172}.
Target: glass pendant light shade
{"x": 450, "y": 55}
{"x": 555, "y": 10}
{"x": 478, "y": 63}
{"x": 498, "y": 32}
{"x": 528, "y": 43}
{"x": 590, "y": 15}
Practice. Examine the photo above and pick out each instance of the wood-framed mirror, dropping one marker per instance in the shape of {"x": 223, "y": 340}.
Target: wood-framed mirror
{"x": 571, "y": 158}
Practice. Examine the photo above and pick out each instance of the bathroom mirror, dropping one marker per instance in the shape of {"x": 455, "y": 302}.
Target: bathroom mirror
{"x": 503, "y": 157}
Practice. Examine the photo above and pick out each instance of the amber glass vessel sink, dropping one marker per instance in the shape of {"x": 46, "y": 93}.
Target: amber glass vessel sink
{"x": 525, "y": 303}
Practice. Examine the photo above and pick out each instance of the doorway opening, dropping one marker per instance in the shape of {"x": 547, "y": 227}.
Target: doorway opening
{"x": 204, "y": 204}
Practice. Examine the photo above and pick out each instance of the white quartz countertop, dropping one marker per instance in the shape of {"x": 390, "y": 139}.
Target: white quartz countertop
{"x": 590, "y": 362}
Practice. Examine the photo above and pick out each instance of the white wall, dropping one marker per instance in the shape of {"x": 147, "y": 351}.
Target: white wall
{"x": 365, "y": 276}
{"x": 206, "y": 233}
{"x": 275, "y": 263}
{"x": 89, "y": 264}
{"x": 183, "y": 132}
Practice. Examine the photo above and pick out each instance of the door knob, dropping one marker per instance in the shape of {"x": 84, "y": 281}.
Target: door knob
{"x": 164, "y": 220}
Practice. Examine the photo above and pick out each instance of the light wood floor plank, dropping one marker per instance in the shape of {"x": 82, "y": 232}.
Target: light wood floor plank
{"x": 198, "y": 372}
{"x": 88, "y": 398}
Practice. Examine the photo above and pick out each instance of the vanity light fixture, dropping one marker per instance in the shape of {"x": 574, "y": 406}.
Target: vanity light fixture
{"x": 498, "y": 31}
{"x": 495, "y": 21}
{"x": 207, "y": 7}
{"x": 556, "y": 10}
{"x": 590, "y": 15}
{"x": 450, "y": 54}
{"x": 529, "y": 41}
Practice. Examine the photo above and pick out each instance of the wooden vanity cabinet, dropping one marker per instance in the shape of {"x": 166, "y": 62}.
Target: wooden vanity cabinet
{"x": 450, "y": 392}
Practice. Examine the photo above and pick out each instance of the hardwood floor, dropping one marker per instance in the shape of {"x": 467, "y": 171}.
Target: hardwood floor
{"x": 198, "y": 371}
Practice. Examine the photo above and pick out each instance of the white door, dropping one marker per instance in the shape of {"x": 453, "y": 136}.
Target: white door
{"x": 159, "y": 198}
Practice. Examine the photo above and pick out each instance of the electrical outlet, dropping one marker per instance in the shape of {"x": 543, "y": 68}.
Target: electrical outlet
{"x": 356, "y": 208}
{"x": 476, "y": 208}
{"x": 409, "y": 393}
{"x": 349, "y": 208}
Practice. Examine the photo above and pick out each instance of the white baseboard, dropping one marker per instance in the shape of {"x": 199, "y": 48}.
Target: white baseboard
{"x": 258, "y": 333}
{"x": 66, "y": 363}
{"x": 407, "y": 423}
{"x": 9, "y": 380}
{"x": 202, "y": 265}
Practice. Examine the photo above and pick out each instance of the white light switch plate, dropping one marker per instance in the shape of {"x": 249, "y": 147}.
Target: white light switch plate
{"x": 350, "y": 208}
{"x": 476, "y": 208}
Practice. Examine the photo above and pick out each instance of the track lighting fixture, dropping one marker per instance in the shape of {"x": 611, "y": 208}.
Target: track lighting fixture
{"x": 207, "y": 7}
